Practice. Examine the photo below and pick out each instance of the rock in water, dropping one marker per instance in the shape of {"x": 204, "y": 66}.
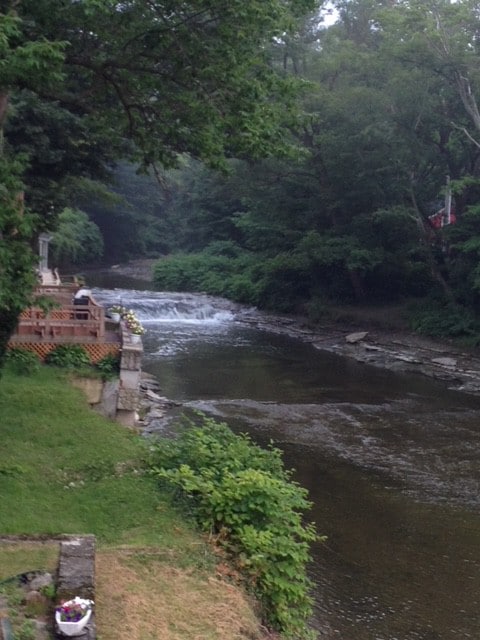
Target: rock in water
{"x": 353, "y": 338}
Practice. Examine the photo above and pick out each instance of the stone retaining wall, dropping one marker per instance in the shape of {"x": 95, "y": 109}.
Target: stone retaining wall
{"x": 130, "y": 371}
{"x": 118, "y": 399}
{"x": 76, "y": 576}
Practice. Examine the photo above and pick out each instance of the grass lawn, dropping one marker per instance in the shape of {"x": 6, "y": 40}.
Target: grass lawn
{"x": 65, "y": 469}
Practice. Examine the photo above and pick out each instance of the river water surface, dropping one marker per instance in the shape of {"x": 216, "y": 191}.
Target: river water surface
{"x": 391, "y": 462}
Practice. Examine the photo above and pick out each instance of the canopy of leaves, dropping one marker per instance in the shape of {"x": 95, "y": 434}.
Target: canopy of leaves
{"x": 96, "y": 80}
{"x": 76, "y": 240}
{"x": 389, "y": 112}
{"x": 173, "y": 77}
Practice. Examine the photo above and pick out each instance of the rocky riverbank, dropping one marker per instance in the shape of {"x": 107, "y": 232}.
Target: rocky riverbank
{"x": 153, "y": 406}
{"x": 409, "y": 353}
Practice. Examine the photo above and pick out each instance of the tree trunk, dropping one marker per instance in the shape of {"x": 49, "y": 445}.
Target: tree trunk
{"x": 8, "y": 324}
{"x": 357, "y": 284}
{"x": 432, "y": 263}
{"x": 3, "y": 107}
{"x": 16, "y": 270}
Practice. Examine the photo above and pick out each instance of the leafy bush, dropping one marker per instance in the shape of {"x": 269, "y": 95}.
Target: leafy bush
{"x": 241, "y": 289}
{"x": 22, "y": 361}
{"x": 178, "y": 273}
{"x": 240, "y": 276}
{"x": 68, "y": 356}
{"x": 443, "y": 320}
{"x": 109, "y": 366}
{"x": 243, "y": 493}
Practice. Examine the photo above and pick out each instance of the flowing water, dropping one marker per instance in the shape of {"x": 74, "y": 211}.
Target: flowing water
{"x": 391, "y": 462}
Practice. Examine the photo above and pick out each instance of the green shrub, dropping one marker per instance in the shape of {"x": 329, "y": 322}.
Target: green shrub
{"x": 179, "y": 273}
{"x": 443, "y": 320}
{"x": 243, "y": 493}
{"x": 68, "y": 356}
{"x": 26, "y": 631}
{"x": 317, "y": 309}
{"x": 109, "y": 366}
{"x": 278, "y": 283}
{"x": 22, "y": 361}
{"x": 194, "y": 272}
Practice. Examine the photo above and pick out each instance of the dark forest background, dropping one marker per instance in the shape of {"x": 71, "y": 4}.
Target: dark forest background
{"x": 349, "y": 213}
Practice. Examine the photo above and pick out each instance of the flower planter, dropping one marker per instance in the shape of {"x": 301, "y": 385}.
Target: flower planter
{"x": 73, "y": 628}
{"x": 133, "y": 325}
{"x": 67, "y": 616}
{"x": 115, "y": 317}
{"x": 136, "y": 338}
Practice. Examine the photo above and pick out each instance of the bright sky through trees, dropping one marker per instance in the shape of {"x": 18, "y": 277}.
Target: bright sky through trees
{"x": 329, "y": 13}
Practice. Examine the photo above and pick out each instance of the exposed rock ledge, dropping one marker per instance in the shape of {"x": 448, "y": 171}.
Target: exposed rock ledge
{"x": 458, "y": 369}
{"x": 153, "y": 407}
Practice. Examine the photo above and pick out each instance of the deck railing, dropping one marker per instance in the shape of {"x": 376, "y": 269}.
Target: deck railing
{"x": 63, "y": 293}
{"x": 71, "y": 320}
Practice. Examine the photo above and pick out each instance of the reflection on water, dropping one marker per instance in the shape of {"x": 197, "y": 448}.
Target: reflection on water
{"x": 391, "y": 463}
{"x": 392, "y": 567}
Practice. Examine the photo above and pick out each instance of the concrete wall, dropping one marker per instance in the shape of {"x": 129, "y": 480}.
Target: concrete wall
{"x": 118, "y": 399}
{"x": 129, "y": 384}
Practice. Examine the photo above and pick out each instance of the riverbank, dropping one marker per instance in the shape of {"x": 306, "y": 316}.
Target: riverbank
{"x": 375, "y": 336}
{"x": 66, "y": 470}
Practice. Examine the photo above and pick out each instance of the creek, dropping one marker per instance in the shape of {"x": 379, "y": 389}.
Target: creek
{"x": 391, "y": 461}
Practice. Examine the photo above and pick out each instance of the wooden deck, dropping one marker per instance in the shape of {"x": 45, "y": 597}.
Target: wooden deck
{"x": 74, "y": 321}
{"x": 67, "y": 323}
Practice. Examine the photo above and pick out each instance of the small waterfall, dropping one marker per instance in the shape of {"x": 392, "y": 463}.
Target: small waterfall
{"x": 166, "y": 307}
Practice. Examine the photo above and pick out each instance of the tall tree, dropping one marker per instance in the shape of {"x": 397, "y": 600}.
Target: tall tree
{"x": 22, "y": 63}
{"x": 174, "y": 77}
{"x": 169, "y": 77}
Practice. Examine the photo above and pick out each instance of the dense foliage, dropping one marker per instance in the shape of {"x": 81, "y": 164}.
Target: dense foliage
{"x": 22, "y": 361}
{"x": 68, "y": 356}
{"x": 77, "y": 239}
{"x": 242, "y": 494}
{"x": 391, "y": 114}
{"x": 83, "y": 84}
{"x": 342, "y": 207}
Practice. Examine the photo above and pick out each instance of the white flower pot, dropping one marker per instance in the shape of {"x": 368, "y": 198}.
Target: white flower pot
{"x": 136, "y": 338}
{"x": 115, "y": 317}
{"x": 72, "y": 628}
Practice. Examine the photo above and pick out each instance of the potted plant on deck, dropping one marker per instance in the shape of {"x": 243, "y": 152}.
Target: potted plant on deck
{"x": 73, "y": 616}
{"x": 116, "y": 312}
